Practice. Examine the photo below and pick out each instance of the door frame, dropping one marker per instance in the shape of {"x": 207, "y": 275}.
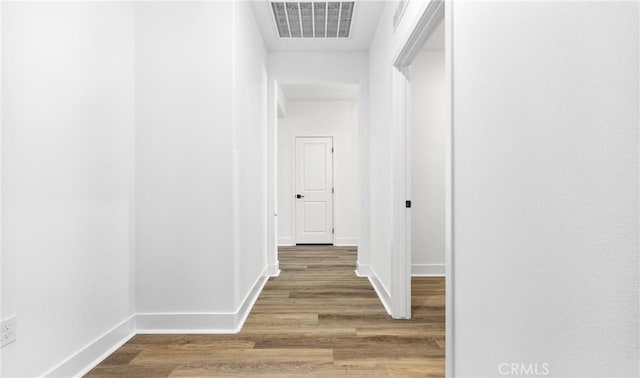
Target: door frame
{"x": 436, "y": 11}
{"x": 294, "y": 181}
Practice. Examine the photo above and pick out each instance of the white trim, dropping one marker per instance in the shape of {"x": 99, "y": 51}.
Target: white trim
{"x": 272, "y": 176}
{"x": 250, "y": 299}
{"x": 202, "y": 322}
{"x": 81, "y": 362}
{"x": 273, "y": 270}
{"x": 366, "y": 270}
{"x": 401, "y": 245}
{"x": 380, "y": 289}
{"x": 449, "y": 197}
{"x": 428, "y": 270}
{"x": 345, "y": 242}
{"x": 286, "y": 241}
{"x": 362, "y": 270}
{"x": 428, "y": 22}
{"x": 186, "y": 322}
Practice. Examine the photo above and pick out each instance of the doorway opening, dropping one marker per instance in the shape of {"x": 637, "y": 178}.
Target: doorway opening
{"x": 423, "y": 187}
{"x": 317, "y": 162}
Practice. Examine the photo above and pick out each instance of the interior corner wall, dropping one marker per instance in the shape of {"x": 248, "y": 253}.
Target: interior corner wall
{"x": 104, "y": 103}
{"x": 380, "y": 139}
{"x": 338, "y": 119}
{"x": 428, "y": 137}
{"x": 546, "y": 177}
{"x": 250, "y": 154}
{"x": 184, "y": 166}
{"x": 67, "y": 174}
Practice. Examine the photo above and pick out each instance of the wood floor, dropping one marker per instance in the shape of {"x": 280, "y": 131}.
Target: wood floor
{"x": 317, "y": 319}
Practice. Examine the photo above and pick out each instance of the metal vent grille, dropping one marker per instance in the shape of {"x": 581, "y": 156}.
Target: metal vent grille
{"x": 313, "y": 19}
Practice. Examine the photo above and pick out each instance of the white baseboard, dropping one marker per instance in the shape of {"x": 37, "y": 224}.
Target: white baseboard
{"x": 274, "y": 269}
{"x": 202, "y": 322}
{"x": 363, "y": 270}
{"x": 250, "y": 299}
{"x": 96, "y": 351}
{"x": 345, "y": 242}
{"x": 427, "y": 270}
{"x": 186, "y": 322}
{"x": 286, "y": 241}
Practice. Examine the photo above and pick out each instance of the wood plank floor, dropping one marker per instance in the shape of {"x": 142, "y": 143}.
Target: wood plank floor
{"x": 317, "y": 319}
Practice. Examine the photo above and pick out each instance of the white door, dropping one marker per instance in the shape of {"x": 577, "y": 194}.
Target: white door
{"x": 314, "y": 190}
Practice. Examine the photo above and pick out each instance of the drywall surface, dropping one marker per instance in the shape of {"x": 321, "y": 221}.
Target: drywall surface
{"x": 282, "y": 103}
{"x": 380, "y": 157}
{"x": 338, "y": 119}
{"x": 67, "y": 175}
{"x": 385, "y": 46}
{"x": 1, "y": 154}
{"x": 428, "y": 142}
{"x": 104, "y": 98}
{"x": 184, "y": 158}
{"x": 318, "y": 68}
{"x": 546, "y": 187}
{"x": 323, "y": 68}
{"x": 250, "y": 151}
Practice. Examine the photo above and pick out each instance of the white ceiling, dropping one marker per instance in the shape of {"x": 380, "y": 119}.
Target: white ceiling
{"x": 365, "y": 19}
{"x": 323, "y": 92}
{"x": 436, "y": 40}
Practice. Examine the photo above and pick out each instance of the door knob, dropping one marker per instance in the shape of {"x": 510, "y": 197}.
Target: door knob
{"x": 299, "y": 196}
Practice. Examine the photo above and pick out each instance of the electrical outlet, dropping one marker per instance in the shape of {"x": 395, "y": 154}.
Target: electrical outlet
{"x": 8, "y": 331}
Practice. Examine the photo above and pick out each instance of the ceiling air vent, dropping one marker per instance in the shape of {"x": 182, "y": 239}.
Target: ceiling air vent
{"x": 313, "y": 19}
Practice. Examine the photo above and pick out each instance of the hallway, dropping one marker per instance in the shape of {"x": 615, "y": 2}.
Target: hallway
{"x": 316, "y": 319}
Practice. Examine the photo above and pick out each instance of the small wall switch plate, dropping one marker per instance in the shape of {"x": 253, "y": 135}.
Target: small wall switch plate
{"x": 8, "y": 331}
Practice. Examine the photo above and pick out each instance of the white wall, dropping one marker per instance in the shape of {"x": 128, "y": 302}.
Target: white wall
{"x": 429, "y": 129}
{"x": 201, "y": 164}
{"x": 546, "y": 182}
{"x": 338, "y": 119}
{"x": 282, "y": 103}
{"x": 380, "y": 174}
{"x": 546, "y": 186}
{"x": 321, "y": 68}
{"x": 108, "y": 102}
{"x": 250, "y": 152}
{"x": 184, "y": 151}
{"x": 382, "y": 202}
{"x": 1, "y": 154}
{"x": 67, "y": 176}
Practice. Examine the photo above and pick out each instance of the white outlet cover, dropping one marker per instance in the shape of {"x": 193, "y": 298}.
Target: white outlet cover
{"x": 8, "y": 330}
